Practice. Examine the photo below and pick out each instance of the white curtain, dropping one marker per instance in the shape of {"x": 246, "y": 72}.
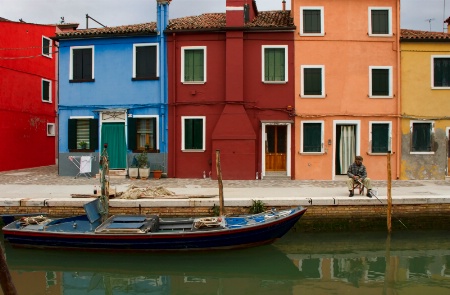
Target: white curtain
{"x": 347, "y": 147}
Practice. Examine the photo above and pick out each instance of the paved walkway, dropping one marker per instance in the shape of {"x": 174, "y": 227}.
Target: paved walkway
{"x": 45, "y": 183}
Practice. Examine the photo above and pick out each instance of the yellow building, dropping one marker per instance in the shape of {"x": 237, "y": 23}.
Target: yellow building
{"x": 425, "y": 104}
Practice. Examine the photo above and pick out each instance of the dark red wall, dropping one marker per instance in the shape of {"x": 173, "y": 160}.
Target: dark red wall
{"x": 23, "y": 115}
{"x": 236, "y": 129}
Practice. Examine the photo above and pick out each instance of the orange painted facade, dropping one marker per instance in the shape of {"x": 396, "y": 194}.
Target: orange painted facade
{"x": 347, "y": 52}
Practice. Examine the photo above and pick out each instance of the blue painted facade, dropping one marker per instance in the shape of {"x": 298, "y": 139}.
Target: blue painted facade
{"x": 112, "y": 96}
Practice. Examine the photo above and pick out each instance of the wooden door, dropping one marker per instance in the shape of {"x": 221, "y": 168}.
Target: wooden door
{"x": 276, "y": 147}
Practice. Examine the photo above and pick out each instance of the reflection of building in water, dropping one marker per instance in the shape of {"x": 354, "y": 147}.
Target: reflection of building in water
{"x": 368, "y": 269}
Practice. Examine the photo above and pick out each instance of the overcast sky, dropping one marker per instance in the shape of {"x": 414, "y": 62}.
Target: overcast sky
{"x": 416, "y": 14}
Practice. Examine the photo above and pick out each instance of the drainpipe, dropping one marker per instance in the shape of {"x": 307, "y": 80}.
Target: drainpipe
{"x": 399, "y": 91}
{"x": 283, "y": 5}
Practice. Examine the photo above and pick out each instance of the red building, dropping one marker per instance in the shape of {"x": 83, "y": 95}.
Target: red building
{"x": 231, "y": 89}
{"x": 27, "y": 95}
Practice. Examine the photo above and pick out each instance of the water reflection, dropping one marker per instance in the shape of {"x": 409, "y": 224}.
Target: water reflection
{"x": 344, "y": 263}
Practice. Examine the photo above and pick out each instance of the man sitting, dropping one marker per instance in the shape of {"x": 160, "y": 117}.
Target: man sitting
{"x": 357, "y": 174}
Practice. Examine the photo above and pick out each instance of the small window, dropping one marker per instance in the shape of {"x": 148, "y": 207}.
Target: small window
{"x": 380, "y": 137}
{"x": 83, "y": 134}
{"x": 274, "y": 64}
{"x": 145, "y": 62}
{"x": 380, "y": 21}
{"x": 380, "y": 82}
{"x": 82, "y": 64}
{"x": 51, "y": 129}
{"x": 46, "y": 90}
{"x": 46, "y": 47}
{"x": 193, "y": 132}
{"x": 440, "y": 72}
{"x": 422, "y": 137}
{"x": 313, "y": 81}
{"x": 193, "y": 65}
{"x": 312, "y": 137}
{"x": 146, "y": 134}
{"x": 312, "y": 21}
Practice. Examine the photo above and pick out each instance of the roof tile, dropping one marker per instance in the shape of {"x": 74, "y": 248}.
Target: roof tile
{"x": 127, "y": 29}
{"x": 422, "y": 35}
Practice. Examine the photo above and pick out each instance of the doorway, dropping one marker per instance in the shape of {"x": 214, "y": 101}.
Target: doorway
{"x": 114, "y": 135}
{"x": 276, "y": 148}
{"x": 346, "y": 147}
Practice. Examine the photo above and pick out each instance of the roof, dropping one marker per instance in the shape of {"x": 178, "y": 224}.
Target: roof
{"x": 4, "y": 19}
{"x": 208, "y": 21}
{"x": 415, "y": 35}
{"x": 144, "y": 28}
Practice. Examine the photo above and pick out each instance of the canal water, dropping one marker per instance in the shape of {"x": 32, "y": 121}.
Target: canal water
{"x": 408, "y": 262}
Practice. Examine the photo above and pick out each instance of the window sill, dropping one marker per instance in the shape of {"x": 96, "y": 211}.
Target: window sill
{"x": 147, "y": 151}
{"x": 311, "y": 154}
{"x": 312, "y": 96}
{"x": 274, "y": 82}
{"x": 81, "y": 150}
{"x": 421, "y": 153}
{"x": 378, "y": 154}
{"x": 193, "y": 82}
{"x": 145, "y": 79}
{"x": 82, "y": 81}
{"x": 193, "y": 151}
{"x": 381, "y": 96}
{"x": 440, "y": 88}
{"x": 311, "y": 34}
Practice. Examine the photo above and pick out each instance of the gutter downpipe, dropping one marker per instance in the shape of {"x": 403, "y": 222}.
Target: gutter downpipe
{"x": 174, "y": 93}
{"x": 399, "y": 91}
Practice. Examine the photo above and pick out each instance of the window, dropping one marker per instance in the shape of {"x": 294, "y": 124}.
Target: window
{"x": 312, "y": 21}
{"x": 422, "y": 137}
{"x": 440, "y": 72}
{"x": 193, "y": 133}
{"x": 312, "y": 137}
{"x": 46, "y": 90}
{"x": 83, "y": 129}
{"x": 142, "y": 133}
{"x": 145, "y": 61}
{"x": 46, "y": 47}
{"x": 380, "y": 81}
{"x": 380, "y": 21}
{"x": 193, "y": 64}
{"x": 274, "y": 60}
{"x": 82, "y": 64}
{"x": 380, "y": 137}
{"x": 51, "y": 129}
{"x": 313, "y": 81}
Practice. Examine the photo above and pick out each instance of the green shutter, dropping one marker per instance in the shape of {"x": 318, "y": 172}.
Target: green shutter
{"x": 311, "y": 21}
{"x": 132, "y": 133}
{"x": 421, "y": 137}
{"x": 380, "y": 82}
{"x": 274, "y": 67}
{"x": 380, "y": 21}
{"x": 188, "y": 134}
{"x": 380, "y": 138}
{"x": 194, "y": 65}
{"x": 312, "y": 137}
{"x": 312, "y": 81}
{"x": 72, "y": 134}
{"x": 93, "y": 134}
{"x": 193, "y": 134}
{"x": 441, "y": 72}
{"x": 87, "y": 64}
{"x": 146, "y": 62}
{"x": 45, "y": 90}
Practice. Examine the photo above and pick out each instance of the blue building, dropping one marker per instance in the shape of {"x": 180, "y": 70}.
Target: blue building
{"x": 113, "y": 89}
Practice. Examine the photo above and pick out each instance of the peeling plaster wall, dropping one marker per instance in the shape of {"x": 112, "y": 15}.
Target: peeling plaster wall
{"x": 425, "y": 166}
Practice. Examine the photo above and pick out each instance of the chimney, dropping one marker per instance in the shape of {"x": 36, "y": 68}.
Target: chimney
{"x": 283, "y": 5}
{"x": 235, "y": 13}
{"x": 448, "y": 24}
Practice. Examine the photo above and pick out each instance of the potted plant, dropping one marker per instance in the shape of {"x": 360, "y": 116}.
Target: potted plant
{"x": 157, "y": 172}
{"x": 133, "y": 170}
{"x": 144, "y": 170}
{"x": 82, "y": 144}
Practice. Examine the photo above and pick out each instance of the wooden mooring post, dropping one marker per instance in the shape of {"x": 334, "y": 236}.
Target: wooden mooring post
{"x": 219, "y": 179}
{"x": 5, "y": 276}
{"x": 389, "y": 197}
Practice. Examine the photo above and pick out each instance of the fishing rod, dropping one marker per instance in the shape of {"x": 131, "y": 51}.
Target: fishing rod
{"x": 371, "y": 192}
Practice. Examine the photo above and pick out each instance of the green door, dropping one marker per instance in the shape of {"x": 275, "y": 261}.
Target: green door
{"x": 114, "y": 135}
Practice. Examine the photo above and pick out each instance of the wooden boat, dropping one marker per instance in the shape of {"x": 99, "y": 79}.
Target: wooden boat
{"x": 97, "y": 231}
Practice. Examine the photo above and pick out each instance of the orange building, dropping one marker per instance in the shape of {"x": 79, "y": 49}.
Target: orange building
{"x": 347, "y": 62}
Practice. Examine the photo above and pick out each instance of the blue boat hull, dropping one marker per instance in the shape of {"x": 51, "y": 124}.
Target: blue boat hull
{"x": 84, "y": 236}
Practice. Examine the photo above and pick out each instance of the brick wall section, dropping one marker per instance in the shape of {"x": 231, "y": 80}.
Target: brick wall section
{"x": 314, "y": 212}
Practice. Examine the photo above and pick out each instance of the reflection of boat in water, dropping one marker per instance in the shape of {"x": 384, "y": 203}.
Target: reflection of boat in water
{"x": 157, "y": 273}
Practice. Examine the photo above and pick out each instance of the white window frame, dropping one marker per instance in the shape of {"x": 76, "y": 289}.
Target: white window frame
{"x": 302, "y": 81}
{"x": 322, "y": 149}
{"x": 432, "y": 72}
{"x": 411, "y": 123}
{"x": 322, "y": 20}
{"x": 145, "y": 45}
{"x": 390, "y": 95}
{"x": 49, "y": 55}
{"x": 51, "y": 129}
{"x": 72, "y": 48}
{"x": 183, "y": 118}
{"x": 389, "y": 134}
{"x": 49, "y": 90}
{"x": 157, "y": 125}
{"x": 263, "y": 48}
{"x": 183, "y": 49}
{"x": 389, "y": 9}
